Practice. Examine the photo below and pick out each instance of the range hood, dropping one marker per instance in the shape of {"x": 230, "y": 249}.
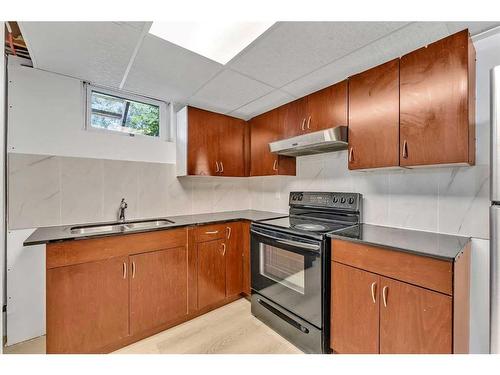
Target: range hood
{"x": 333, "y": 139}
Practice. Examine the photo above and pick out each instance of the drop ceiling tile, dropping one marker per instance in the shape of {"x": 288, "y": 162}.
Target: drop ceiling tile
{"x": 263, "y": 104}
{"x": 474, "y": 27}
{"x": 302, "y": 47}
{"x": 228, "y": 91}
{"x": 396, "y": 44}
{"x": 164, "y": 70}
{"x": 93, "y": 51}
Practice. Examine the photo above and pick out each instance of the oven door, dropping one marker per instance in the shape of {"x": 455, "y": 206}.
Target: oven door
{"x": 286, "y": 269}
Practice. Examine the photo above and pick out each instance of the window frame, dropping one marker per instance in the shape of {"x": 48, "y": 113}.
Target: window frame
{"x": 163, "y": 130}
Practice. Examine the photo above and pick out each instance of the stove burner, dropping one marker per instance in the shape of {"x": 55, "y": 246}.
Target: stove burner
{"x": 310, "y": 227}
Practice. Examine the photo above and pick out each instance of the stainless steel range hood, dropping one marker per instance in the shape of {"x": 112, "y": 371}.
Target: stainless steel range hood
{"x": 333, "y": 139}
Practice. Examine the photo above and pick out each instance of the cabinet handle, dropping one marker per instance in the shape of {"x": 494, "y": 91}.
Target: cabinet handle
{"x": 405, "y": 149}
{"x": 308, "y": 122}
{"x": 223, "y": 249}
{"x": 373, "y": 287}
{"x": 216, "y": 167}
{"x": 221, "y": 167}
{"x": 384, "y": 295}
{"x": 351, "y": 154}
{"x": 212, "y": 232}
{"x": 228, "y": 232}
{"x": 303, "y": 124}
{"x": 275, "y": 165}
{"x": 124, "y": 270}
{"x": 133, "y": 270}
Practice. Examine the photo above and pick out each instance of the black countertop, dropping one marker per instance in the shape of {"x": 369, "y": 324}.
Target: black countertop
{"x": 62, "y": 233}
{"x": 436, "y": 245}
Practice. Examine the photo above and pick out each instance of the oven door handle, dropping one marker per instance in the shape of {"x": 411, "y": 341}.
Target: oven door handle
{"x": 299, "y": 244}
{"x": 289, "y": 242}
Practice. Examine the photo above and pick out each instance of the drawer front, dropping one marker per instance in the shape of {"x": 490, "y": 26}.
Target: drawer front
{"x": 423, "y": 271}
{"x": 67, "y": 253}
{"x": 210, "y": 232}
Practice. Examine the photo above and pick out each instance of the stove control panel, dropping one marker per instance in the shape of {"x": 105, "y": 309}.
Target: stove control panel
{"x": 344, "y": 201}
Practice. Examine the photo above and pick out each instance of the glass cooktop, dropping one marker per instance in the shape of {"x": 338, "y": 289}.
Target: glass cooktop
{"x": 306, "y": 224}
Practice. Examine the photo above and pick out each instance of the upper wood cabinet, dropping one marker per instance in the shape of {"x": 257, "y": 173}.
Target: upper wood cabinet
{"x": 438, "y": 103}
{"x": 327, "y": 108}
{"x": 374, "y": 117}
{"x": 210, "y": 144}
{"x": 267, "y": 128}
{"x": 323, "y": 109}
{"x": 158, "y": 288}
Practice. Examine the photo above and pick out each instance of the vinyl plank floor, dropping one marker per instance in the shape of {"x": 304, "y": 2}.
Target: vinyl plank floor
{"x": 230, "y": 329}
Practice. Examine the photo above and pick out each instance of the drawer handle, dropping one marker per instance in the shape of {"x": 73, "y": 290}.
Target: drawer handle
{"x": 384, "y": 295}
{"x": 124, "y": 270}
{"x": 373, "y": 288}
{"x": 212, "y": 232}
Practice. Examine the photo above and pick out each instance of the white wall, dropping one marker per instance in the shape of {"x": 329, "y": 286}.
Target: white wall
{"x": 46, "y": 117}
{"x": 2, "y": 192}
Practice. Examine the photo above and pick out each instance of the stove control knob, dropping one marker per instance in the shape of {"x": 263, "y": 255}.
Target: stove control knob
{"x": 335, "y": 199}
{"x": 342, "y": 200}
{"x": 351, "y": 200}
{"x": 300, "y": 197}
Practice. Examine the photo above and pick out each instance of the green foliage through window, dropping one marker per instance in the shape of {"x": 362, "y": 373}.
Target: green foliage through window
{"x": 124, "y": 115}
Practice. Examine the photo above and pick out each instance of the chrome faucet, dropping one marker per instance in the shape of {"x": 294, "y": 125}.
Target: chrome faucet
{"x": 121, "y": 210}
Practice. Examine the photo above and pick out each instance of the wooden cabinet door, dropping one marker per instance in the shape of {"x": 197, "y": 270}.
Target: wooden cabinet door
{"x": 327, "y": 108}
{"x": 247, "y": 282}
{"x": 234, "y": 259}
{"x": 374, "y": 117}
{"x": 87, "y": 306}
{"x": 263, "y": 129}
{"x": 232, "y": 146}
{"x": 354, "y": 310}
{"x": 414, "y": 320}
{"x": 158, "y": 288}
{"x": 293, "y": 118}
{"x": 437, "y": 103}
{"x": 211, "y": 272}
{"x": 203, "y": 142}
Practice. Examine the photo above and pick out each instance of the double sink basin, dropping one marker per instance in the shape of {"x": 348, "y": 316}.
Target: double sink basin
{"x": 120, "y": 227}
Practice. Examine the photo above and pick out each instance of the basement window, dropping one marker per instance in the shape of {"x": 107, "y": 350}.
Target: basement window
{"x": 122, "y": 113}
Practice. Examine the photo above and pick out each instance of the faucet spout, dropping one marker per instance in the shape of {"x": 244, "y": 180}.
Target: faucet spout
{"x": 121, "y": 210}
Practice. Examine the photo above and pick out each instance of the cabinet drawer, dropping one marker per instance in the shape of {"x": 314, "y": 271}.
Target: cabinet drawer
{"x": 210, "y": 232}
{"x": 423, "y": 271}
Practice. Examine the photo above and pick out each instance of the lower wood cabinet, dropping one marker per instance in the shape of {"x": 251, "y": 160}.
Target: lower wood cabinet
{"x": 372, "y": 313}
{"x": 87, "y": 306}
{"x": 211, "y": 272}
{"x": 158, "y": 288}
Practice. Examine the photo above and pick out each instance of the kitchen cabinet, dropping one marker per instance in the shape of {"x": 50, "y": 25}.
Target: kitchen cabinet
{"x": 211, "y": 272}
{"x": 437, "y": 85}
{"x": 266, "y": 128}
{"x": 323, "y": 109}
{"x": 158, "y": 288}
{"x": 247, "y": 282}
{"x": 87, "y": 305}
{"x": 211, "y": 144}
{"x": 234, "y": 258}
{"x": 373, "y": 133}
{"x": 327, "y": 108}
{"x": 355, "y": 305}
{"x": 388, "y": 301}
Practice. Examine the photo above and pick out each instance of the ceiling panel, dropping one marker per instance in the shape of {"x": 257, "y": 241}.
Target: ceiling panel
{"x": 302, "y": 47}
{"x": 164, "y": 70}
{"x": 474, "y": 27}
{"x": 93, "y": 51}
{"x": 407, "y": 39}
{"x": 228, "y": 91}
{"x": 263, "y": 104}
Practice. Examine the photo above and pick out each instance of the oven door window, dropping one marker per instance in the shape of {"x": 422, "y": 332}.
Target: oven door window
{"x": 282, "y": 266}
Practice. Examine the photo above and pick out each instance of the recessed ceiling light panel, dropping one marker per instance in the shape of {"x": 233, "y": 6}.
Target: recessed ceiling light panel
{"x": 219, "y": 41}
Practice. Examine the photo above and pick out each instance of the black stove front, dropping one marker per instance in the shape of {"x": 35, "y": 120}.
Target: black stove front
{"x": 290, "y": 266}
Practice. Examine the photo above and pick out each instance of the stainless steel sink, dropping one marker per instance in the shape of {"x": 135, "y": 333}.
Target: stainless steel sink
{"x": 120, "y": 227}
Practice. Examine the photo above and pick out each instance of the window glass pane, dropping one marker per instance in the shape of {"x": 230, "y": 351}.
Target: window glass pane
{"x": 124, "y": 115}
